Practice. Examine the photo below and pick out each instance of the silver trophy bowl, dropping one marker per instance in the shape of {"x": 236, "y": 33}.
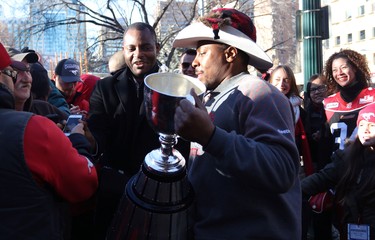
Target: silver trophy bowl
{"x": 162, "y": 95}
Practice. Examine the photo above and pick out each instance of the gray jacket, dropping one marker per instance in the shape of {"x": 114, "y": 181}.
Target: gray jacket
{"x": 246, "y": 179}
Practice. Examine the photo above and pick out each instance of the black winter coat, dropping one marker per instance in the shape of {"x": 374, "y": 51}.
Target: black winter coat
{"x": 356, "y": 208}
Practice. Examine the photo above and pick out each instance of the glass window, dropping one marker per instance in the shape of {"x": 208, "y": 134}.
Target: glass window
{"x": 362, "y": 35}
{"x": 361, "y": 10}
{"x": 338, "y": 40}
{"x": 348, "y": 14}
{"x": 350, "y": 38}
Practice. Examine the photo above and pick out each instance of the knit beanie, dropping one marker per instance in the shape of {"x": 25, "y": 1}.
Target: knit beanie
{"x": 367, "y": 114}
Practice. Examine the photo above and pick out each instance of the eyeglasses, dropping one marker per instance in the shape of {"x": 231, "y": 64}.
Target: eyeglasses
{"x": 320, "y": 89}
{"x": 10, "y": 73}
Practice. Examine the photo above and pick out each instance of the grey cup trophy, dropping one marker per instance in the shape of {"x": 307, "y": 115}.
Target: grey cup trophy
{"x": 163, "y": 92}
{"x": 157, "y": 199}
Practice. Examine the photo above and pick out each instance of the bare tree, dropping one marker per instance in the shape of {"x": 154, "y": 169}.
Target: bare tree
{"x": 5, "y": 37}
{"x": 112, "y": 19}
{"x": 168, "y": 17}
{"x": 275, "y": 21}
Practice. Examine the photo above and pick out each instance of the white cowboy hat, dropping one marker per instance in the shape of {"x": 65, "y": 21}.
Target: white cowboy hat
{"x": 192, "y": 34}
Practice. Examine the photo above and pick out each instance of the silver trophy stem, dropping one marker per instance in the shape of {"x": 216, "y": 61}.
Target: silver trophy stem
{"x": 167, "y": 143}
{"x": 165, "y": 159}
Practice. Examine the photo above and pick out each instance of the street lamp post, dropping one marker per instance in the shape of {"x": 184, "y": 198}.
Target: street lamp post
{"x": 314, "y": 29}
{"x": 312, "y": 38}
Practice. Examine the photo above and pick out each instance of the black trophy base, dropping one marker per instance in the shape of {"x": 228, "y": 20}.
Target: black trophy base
{"x": 155, "y": 206}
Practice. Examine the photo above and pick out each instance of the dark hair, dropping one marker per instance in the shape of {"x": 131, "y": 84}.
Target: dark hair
{"x": 189, "y": 51}
{"x": 309, "y": 106}
{"x": 312, "y": 78}
{"x": 293, "y": 83}
{"x": 358, "y": 159}
{"x": 142, "y": 26}
{"x": 356, "y": 60}
{"x": 307, "y": 98}
{"x": 40, "y": 87}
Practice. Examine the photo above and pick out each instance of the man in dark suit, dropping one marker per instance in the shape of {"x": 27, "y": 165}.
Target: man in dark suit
{"x": 118, "y": 122}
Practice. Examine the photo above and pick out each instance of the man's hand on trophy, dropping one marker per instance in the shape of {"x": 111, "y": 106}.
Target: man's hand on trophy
{"x": 192, "y": 122}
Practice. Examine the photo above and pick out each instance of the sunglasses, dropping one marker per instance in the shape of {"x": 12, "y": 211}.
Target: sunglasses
{"x": 10, "y": 73}
{"x": 186, "y": 65}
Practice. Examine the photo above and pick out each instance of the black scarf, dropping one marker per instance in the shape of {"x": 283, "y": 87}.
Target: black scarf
{"x": 349, "y": 93}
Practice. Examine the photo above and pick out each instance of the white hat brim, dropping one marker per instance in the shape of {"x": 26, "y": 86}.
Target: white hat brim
{"x": 192, "y": 34}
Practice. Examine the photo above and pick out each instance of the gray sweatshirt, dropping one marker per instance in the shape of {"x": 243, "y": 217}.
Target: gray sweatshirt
{"x": 246, "y": 178}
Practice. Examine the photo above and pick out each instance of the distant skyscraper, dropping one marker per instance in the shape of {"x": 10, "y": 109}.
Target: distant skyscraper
{"x": 56, "y": 41}
{"x": 110, "y": 41}
{"x": 275, "y": 22}
{"x": 177, "y": 16}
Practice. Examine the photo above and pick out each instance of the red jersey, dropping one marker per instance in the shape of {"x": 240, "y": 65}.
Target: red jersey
{"x": 54, "y": 161}
{"x": 342, "y": 116}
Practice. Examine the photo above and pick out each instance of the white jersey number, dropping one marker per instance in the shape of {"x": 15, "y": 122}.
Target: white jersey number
{"x": 343, "y": 128}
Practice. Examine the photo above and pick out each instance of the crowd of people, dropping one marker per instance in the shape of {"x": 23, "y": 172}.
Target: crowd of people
{"x": 254, "y": 136}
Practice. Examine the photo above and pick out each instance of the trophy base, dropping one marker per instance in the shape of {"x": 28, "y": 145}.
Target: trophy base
{"x": 155, "y": 206}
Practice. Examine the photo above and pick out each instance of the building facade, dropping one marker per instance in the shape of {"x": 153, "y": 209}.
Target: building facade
{"x": 13, "y": 32}
{"x": 178, "y": 15}
{"x": 352, "y": 27}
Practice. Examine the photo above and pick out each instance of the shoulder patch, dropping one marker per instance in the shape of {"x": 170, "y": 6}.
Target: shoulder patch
{"x": 332, "y": 105}
{"x": 366, "y": 99}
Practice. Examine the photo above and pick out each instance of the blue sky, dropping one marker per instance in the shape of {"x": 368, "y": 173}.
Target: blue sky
{"x": 20, "y": 8}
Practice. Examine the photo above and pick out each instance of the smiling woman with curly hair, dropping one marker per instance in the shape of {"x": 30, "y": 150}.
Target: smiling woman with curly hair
{"x": 354, "y": 59}
{"x": 348, "y": 81}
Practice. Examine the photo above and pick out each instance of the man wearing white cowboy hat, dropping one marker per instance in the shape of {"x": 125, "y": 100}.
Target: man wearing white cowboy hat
{"x": 245, "y": 174}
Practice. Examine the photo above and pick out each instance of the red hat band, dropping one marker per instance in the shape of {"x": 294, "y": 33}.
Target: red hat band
{"x": 232, "y": 17}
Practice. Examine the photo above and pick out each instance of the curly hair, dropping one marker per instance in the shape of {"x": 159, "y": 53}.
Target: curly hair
{"x": 356, "y": 60}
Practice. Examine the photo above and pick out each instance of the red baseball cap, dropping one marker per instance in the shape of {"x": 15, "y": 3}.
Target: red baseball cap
{"x": 4, "y": 57}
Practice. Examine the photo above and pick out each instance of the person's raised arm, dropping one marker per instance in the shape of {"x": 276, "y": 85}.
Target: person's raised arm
{"x": 54, "y": 161}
